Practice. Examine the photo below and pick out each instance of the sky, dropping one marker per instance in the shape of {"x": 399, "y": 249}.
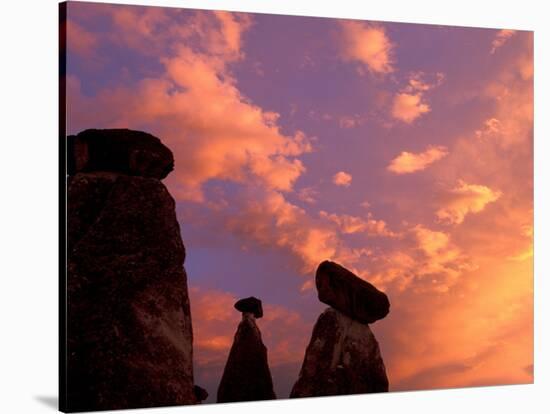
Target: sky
{"x": 402, "y": 151}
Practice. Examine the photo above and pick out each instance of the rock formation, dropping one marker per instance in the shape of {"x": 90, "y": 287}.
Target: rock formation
{"x": 200, "y": 393}
{"x": 341, "y": 289}
{"x": 251, "y": 305}
{"x": 343, "y": 356}
{"x": 246, "y": 376}
{"x": 129, "y": 334}
{"x": 119, "y": 150}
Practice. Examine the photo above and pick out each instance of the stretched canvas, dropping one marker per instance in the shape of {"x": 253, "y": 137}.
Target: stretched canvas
{"x": 260, "y": 206}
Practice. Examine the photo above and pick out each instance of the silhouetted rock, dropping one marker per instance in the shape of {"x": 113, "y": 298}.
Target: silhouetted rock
{"x": 252, "y": 305}
{"x": 342, "y": 358}
{"x": 246, "y": 376}
{"x": 351, "y": 295}
{"x": 118, "y": 150}
{"x": 129, "y": 334}
{"x": 200, "y": 393}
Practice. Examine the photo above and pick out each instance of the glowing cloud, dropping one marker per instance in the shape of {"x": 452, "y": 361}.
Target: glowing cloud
{"x": 342, "y": 178}
{"x": 407, "y": 107}
{"x": 352, "y": 224}
{"x": 243, "y": 144}
{"x": 501, "y": 38}
{"x": 444, "y": 261}
{"x": 409, "y": 162}
{"x": 272, "y": 221}
{"x": 367, "y": 44}
{"x": 465, "y": 199}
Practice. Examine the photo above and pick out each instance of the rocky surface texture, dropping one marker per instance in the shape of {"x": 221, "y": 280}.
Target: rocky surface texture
{"x": 129, "y": 334}
{"x": 343, "y": 356}
{"x": 246, "y": 376}
{"x": 342, "y": 290}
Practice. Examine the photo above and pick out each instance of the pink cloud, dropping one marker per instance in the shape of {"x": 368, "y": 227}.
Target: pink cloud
{"x": 407, "y": 107}
{"x": 348, "y": 224}
{"x": 270, "y": 220}
{"x": 501, "y": 38}
{"x": 408, "y": 162}
{"x": 367, "y": 44}
{"x": 409, "y": 104}
{"x": 342, "y": 178}
{"x": 243, "y": 144}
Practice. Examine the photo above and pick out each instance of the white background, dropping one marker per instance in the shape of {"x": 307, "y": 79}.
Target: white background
{"x": 28, "y": 203}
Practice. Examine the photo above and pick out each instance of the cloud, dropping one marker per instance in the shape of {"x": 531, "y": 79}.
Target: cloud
{"x": 244, "y": 143}
{"x": 501, "y": 323}
{"x": 367, "y": 44}
{"x": 350, "y": 121}
{"x": 342, "y": 178}
{"x": 351, "y": 224}
{"x": 501, "y": 38}
{"x": 443, "y": 261}
{"x": 408, "y": 107}
{"x": 465, "y": 199}
{"x": 272, "y": 221}
{"x": 409, "y": 103}
{"x": 80, "y": 40}
{"x": 422, "y": 82}
{"x": 408, "y": 162}
{"x": 308, "y": 195}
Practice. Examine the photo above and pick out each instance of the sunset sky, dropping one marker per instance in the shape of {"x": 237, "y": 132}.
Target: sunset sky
{"x": 402, "y": 151}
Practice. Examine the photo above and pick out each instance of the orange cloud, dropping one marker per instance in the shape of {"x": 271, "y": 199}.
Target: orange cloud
{"x": 352, "y": 224}
{"x": 501, "y": 37}
{"x": 465, "y": 199}
{"x": 407, "y": 107}
{"x": 409, "y": 104}
{"x": 367, "y": 44}
{"x": 244, "y": 144}
{"x": 270, "y": 220}
{"x": 342, "y": 178}
{"x": 408, "y": 162}
{"x": 471, "y": 339}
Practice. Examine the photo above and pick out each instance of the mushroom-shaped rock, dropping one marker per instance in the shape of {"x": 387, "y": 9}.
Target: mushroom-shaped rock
{"x": 122, "y": 151}
{"x": 250, "y": 305}
{"x": 351, "y": 295}
{"x": 200, "y": 393}
{"x": 246, "y": 376}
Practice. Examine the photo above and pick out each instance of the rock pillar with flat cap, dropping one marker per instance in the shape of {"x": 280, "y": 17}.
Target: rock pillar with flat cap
{"x": 246, "y": 376}
{"x": 343, "y": 356}
{"x": 129, "y": 334}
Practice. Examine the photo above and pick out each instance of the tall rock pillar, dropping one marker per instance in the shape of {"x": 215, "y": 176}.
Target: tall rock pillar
{"x": 129, "y": 334}
{"x": 246, "y": 376}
